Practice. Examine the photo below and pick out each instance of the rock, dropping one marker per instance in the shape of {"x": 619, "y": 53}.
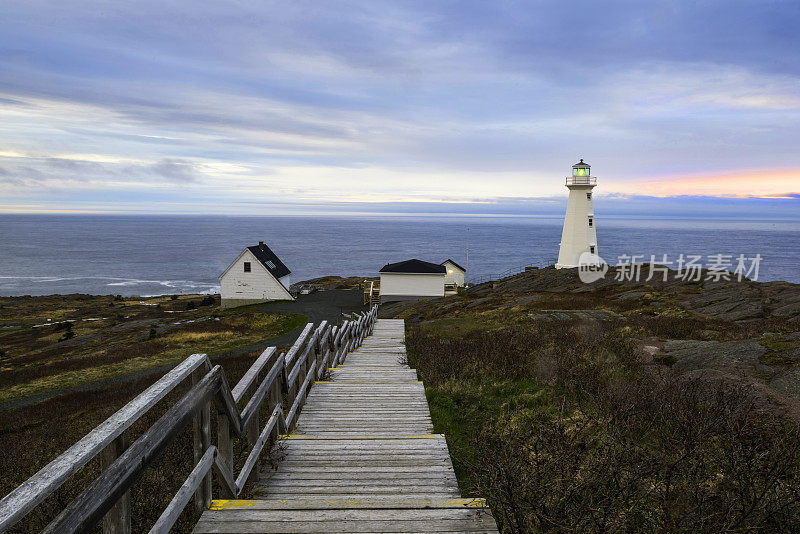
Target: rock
{"x": 708, "y": 334}
{"x": 682, "y": 344}
{"x": 692, "y": 355}
{"x": 788, "y": 381}
{"x": 731, "y": 302}
{"x": 787, "y": 310}
{"x": 582, "y": 315}
{"x": 527, "y": 299}
{"x": 477, "y": 302}
{"x": 794, "y": 336}
{"x": 630, "y": 295}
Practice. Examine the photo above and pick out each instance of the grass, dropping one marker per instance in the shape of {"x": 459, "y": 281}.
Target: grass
{"x": 147, "y": 339}
{"x": 562, "y": 427}
{"x": 459, "y": 407}
{"x": 32, "y": 436}
{"x": 780, "y": 351}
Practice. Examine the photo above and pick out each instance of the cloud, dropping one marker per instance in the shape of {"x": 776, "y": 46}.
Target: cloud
{"x": 175, "y": 170}
{"x": 392, "y": 101}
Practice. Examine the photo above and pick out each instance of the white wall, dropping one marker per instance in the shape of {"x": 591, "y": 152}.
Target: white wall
{"x": 577, "y": 236}
{"x": 258, "y": 284}
{"x": 286, "y": 281}
{"x": 454, "y": 274}
{"x": 412, "y": 284}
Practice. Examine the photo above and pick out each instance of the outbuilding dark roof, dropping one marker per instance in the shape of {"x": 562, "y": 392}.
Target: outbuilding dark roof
{"x": 269, "y": 260}
{"x": 454, "y": 263}
{"x": 413, "y": 266}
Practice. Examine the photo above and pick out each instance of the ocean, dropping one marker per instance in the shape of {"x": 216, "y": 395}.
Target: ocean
{"x": 151, "y": 255}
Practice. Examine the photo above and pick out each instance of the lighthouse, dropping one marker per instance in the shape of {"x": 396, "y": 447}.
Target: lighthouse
{"x": 579, "y": 235}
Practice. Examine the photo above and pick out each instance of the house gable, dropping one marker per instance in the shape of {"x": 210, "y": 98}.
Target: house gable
{"x": 454, "y": 264}
{"x": 258, "y": 284}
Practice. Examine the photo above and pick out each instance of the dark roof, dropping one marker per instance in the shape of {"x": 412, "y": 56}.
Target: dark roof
{"x": 413, "y": 266}
{"x": 581, "y": 164}
{"x": 269, "y": 260}
{"x": 454, "y": 263}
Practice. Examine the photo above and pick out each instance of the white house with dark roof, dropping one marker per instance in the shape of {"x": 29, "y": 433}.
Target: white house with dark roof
{"x": 412, "y": 280}
{"x": 256, "y": 275}
{"x": 454, "y": 275}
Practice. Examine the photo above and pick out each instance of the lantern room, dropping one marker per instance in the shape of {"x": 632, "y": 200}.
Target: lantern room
{"x": 581, "y": 169}
{"x": 581, "y": 175}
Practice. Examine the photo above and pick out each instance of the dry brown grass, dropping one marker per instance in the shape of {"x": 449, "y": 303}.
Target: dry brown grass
{"x": 562, "y": 429}
{"x": 35, "y": 435}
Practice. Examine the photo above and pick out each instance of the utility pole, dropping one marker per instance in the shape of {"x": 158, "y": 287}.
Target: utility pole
{"x": 466, "y": 274}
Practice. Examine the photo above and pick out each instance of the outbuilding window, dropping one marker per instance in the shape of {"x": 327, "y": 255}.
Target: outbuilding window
{"x": 247, "y": 266}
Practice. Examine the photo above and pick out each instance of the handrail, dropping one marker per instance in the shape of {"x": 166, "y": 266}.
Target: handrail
{"x": 505, "y": 274}
{"x": 309, "y": 356}
{"x": 33, "y": 491}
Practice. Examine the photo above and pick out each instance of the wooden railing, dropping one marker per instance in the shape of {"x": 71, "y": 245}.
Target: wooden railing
{"x": 508, "y": 272}
{"x": 282, "y": 388}
{"x": 372, "y": 292}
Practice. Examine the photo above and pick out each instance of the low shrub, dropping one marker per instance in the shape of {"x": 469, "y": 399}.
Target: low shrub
{"x": 594, "y": 441}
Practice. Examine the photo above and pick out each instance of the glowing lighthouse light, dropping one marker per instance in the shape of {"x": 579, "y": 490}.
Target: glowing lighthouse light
{"x": 579, "y": 234}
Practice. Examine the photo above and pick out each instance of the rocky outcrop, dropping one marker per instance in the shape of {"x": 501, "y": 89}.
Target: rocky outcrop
{"x": 735, "y": 356}
{"x": 787, "y": 381}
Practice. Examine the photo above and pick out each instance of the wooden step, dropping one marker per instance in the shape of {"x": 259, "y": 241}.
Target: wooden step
{"x": 363, "y": 458}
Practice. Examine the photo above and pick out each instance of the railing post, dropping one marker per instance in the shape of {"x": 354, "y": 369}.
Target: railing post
{"x": 201, "y": 442}
{"x": 225, "y": 447}
{"x": 118, "y": 519}
{"x": 319, "y": 348}
{"x": 253, "y": 427}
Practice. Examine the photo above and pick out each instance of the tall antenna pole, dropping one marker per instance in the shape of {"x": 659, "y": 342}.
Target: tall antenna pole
{"x": 466, "y": 274}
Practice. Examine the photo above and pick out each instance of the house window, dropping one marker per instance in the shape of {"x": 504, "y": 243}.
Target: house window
{"x": 270, "y": 265}
{"x": 591, "y": 222}
{"x": 247, "y": 266}
{"x": 588, "y": 196}
{"x": 591, "y": 249}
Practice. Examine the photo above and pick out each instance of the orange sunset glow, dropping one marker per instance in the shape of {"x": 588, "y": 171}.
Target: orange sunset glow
{"x": 762, "y": 184}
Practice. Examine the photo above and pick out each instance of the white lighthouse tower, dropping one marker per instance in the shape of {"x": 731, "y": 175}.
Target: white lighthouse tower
{"x": 579, "y": 234}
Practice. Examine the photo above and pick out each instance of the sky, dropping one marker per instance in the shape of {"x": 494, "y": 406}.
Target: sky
{"x": 444, "y": 107}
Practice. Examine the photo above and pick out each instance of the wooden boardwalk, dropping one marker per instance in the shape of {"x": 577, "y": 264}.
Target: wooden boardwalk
{"x": 362, "y": 459}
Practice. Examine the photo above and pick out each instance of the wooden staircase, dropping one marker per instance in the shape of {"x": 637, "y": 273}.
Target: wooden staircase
{"x": 372, "y": 293}
{"x": 363, "y": 458}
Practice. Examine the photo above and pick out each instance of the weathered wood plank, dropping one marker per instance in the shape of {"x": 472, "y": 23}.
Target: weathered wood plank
{"x": 184, "y": 494}
{"x": 251, "y": 375}
{"x": 298, "y": 344}
{"x": 365, "y": 436}
{"x": 395, "y": 503}
{"x": 103, "y": 492}
{"x": 30, "y": 493}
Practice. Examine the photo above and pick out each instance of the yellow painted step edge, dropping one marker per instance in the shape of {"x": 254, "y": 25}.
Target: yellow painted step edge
{"x": 238, "y": 504}
{"x": 358, "y": 436}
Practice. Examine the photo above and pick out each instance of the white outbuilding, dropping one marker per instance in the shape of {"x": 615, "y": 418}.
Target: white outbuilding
{"x": 455, "y": 274}
{"x": 412, "y": 280}
{"x": 256, "y": 275}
